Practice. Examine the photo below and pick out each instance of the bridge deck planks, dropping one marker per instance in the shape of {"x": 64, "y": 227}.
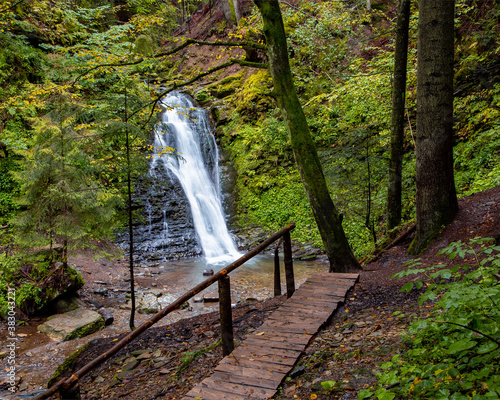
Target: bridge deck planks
{"x": 256, "y": 368}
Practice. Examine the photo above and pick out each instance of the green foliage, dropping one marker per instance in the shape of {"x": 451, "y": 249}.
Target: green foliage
{"x": 62, "y": 200}
{"x": 10, "y": 265}
{"x": 31, "y": 274}
{"x": 454, "y": 352}
{"x": 477, "y": 161}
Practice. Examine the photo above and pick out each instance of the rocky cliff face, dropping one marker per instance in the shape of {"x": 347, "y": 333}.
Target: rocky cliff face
{"x": 165, "y": 228}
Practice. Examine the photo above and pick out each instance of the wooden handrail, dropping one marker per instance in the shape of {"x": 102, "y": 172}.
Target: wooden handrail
{"x": 67, "y": 383}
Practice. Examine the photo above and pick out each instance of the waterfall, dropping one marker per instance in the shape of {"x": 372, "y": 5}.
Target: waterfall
{"x": 186, "y": 129}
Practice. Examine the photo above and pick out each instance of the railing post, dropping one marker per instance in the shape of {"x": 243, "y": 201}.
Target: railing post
{"x": 226, "y": 316}
{"x": 287, "y": 250}
{"x": 277, "y": 277}
{"x": 70, "y": 393}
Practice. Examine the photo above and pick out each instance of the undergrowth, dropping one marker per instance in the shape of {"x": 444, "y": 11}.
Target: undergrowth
{"x": 454, "y": 352}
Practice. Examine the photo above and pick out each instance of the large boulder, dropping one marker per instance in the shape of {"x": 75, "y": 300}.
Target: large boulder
{"x": 73, "y": 324}
{"x": 52, "y": 283}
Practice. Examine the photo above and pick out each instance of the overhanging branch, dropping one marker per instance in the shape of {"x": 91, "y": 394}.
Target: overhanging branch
{"x": 177, "y": 85}
{"x": 189, "y": 42}
{"x": 177, "y": 49}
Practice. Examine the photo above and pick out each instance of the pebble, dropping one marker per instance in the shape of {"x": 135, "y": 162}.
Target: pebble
{"x": 131, "y": 364}
{"x": 139, "y": 352}
{"x": 157, "y": 353}
{"x": 144, "y": 356}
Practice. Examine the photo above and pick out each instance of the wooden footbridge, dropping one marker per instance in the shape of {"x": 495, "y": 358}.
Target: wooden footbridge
{"x": 257, "y": 367}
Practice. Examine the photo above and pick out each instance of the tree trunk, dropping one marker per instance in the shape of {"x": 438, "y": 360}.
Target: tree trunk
{"x": 130, "y": 223}
{"x": 327, "y": 218}
{"x": 228, "y": 9}
{"x": 237, "y": 11}
{"x": 398, "y": 114}
{"x": 436, "y": 201}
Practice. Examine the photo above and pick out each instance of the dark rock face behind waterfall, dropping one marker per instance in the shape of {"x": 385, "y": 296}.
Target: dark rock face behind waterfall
{"x": 165, "y": 229}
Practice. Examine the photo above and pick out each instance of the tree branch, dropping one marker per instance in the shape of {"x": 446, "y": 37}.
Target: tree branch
{"x": 189, "y": 42}
{"x": 123, "y": 64}
{"x": 177, "y": 49}
{"x": 176, "y": 85}
{"x": 473, "y": 330}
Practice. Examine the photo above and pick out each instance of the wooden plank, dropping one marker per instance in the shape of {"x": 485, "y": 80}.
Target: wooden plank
{"x": 305, "y": 298}
{"x": 262, "y": 366}
{"x": 311, "y": 303}
{"x": 327, "y": 284}
{"x": 288, "y": 326}
{"x": 325, "y": 289}
{"x": 297, "y": 318}
{"x": 290, "y": 337}
{"x": 239, "y": 389}
{"x": 326, "y": 275}
{"x": 273, "y": 344}
{"x": 325, "y": 298}
{"x": 293, "y": 321}
{"x": 268, "y": 357}
{"x": 205, "y": 393}
{"x": 304, "y": 309}
{"x": 244, "y": 380}
{"x": 270, "y": 375}
{"x": 258, "y": 351}
{"x": 308, "y": 308}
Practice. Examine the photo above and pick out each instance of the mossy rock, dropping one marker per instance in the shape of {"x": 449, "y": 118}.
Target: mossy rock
{"x": 49, "y": 285}
{"x": 226, "y": 86}
{"x": 254, "y": 96}
{"x": 71, "y": 325}
{"x": 67, "y": 365}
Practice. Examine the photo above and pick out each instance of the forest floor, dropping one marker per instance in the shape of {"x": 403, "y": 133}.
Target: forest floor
{"x": 365, "y": 332}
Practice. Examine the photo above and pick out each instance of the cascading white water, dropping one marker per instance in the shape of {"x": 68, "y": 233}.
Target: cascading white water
{"x": 185, "y": 128}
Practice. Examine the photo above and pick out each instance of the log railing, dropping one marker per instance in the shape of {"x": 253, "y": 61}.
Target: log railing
{"x": 68, "y": 388}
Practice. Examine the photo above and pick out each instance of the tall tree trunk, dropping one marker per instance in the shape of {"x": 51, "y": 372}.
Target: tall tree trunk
{"x": 228, "y": 9}
{"x": 436, "y": 201}
{"x": 327, "y": 218}
{"x": 130, "y": 222}
{"x": 398, "y": 114}
{"x": 237, "y": 11}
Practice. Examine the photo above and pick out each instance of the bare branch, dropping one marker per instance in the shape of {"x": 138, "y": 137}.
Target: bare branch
{"x": 177, "y": 49}
{"x": 207, "y": 43}
{"x": 177, "y": 85}
{"x": 473, "y": 330}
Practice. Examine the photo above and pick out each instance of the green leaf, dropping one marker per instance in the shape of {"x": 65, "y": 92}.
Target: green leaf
{"x": 364, "y": 394}
{"x": 461, "y": 345}
{"x": 383, "y": 394}
{"x": 328, "y": 385}
{"x": 406, "y": 288}
{"x": 487, "y": 347}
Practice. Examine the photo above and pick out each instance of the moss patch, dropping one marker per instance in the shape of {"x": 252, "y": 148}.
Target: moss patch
{"x": 67, "y": 365}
